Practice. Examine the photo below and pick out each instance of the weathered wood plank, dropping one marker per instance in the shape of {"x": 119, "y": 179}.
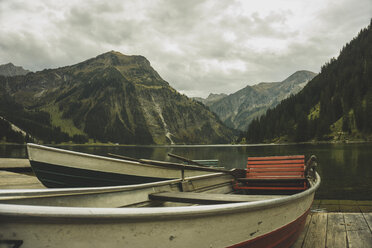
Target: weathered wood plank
{"x": 336, "y": 231}
{"x": 8, "y": 176}
{"x": 14, "y": 163}
{"x": 368, "y": 218}
{"x": 358, "y": 232}
{"x": 25, "y": 186}
{"x": 300, "y": 241}
{"x": 11, "y": 180}
{"x": 316, "y": 235}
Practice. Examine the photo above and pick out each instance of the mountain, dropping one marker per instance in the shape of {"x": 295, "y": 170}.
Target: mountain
{"x": 10, "y": 70}
{"x": 237, "y": 110}
{"x": 210, "y": 99}
{"x": 335, "y": 105}
{"x": 109, "y": 98}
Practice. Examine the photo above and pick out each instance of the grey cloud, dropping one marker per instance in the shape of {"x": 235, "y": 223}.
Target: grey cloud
{"x": 107, "y": 7}
{"x": 25, "y": 50}
{"x": 175, "y": 15}
{"x": 187, "y": 42}
{"x": 79, "y": 17}
{"x": 344, "y": 14}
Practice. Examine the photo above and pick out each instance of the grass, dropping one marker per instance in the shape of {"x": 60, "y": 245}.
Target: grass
{"x": 66, "y": 125}
{"x": 336, "y": 127}
{"x": 314, "y": 112}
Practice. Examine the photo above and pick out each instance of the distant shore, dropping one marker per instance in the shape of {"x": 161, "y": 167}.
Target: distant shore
{"x": 187, "y": 145}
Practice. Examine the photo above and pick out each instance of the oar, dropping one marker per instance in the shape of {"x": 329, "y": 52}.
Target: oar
{"x": 123, "y": 157}
{"x": 238, "y": 173}
{"x": 149, "y": 162}
{"x": 185, "y": 159}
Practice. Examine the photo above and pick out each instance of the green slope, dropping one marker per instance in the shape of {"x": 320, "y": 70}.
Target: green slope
{"x": 110, "y": 98}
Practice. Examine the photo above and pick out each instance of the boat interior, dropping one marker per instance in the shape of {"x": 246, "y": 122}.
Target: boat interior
{"x": 265, "y": 179}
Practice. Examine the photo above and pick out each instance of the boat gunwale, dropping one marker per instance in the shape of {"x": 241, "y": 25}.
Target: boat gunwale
{"x": 49, "y": 192}
{"x": 110, "y": 159}
{"x": 146, "y": 213}
{"x": 69, "y": 152}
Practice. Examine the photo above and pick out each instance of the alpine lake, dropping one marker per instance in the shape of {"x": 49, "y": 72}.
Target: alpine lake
{"x": 345, "y": 168}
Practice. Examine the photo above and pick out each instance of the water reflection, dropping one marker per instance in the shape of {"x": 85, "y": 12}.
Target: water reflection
{"x": 13, "y": 151}
{"x": 346, "y": 169}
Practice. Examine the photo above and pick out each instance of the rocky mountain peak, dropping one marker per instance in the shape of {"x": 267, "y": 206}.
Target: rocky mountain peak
{"x": 215, "y": 97}
{"x": 237, "y": 110}
{"x": 113, "y": 58}
{"x": 300, "y": 76}
{"x": 134, "y": 68}
{"x": 10, "y": 70}
{"x": 211, "y": 98}
{"x": 109, "y": 98}
{"x": 118, "y": 59}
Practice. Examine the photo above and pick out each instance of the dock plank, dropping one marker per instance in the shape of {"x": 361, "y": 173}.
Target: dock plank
{"x": 358, "y": 231}
{"x": 368, "y": 218}
{"x": 300, "y": 240}
{"x": 11, "y": 180}
{"x": 336, "y": 231}
{"x": 316, "y": 235}
{"x": 14, "y": 163}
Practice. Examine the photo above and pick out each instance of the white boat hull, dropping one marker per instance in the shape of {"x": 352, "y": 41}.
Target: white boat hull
{"x": 57, "y": 168}
{"x": 266, "y": 223}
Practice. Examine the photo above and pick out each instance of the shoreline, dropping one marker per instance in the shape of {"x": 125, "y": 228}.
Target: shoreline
{"x": 201, "y": 145}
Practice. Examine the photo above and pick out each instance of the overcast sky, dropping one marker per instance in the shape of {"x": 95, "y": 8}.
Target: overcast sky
{"x": 198, "y": 46}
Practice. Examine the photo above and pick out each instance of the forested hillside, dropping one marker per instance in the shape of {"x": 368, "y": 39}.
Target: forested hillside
{"x": 335, "y": 105}
{"x": 110, "y": 98}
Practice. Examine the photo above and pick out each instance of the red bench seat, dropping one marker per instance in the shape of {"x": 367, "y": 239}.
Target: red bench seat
{"x": 274, "y": 173}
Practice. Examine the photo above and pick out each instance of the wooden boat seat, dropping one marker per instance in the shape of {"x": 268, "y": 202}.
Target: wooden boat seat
{"x": 274, "y": 173}
{"x": 207, "y": 198}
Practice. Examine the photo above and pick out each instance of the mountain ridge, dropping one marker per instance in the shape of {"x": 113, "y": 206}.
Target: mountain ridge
{"x": 10, "y": 70}
{"x": 238, "y": 109}
{"x": 210, "y": 98}
{"x": 112, "y": 98}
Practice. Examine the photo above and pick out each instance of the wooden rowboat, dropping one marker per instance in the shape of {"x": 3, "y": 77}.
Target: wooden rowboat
{"x": 59, "y": 168}
{"x": 201, "y": 211}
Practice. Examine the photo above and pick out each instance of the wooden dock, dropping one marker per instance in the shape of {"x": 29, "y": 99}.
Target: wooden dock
{"x": 332, "y": 223}
{"x": 15, "y": 164}
{"x": 337, "y": 230}
{"x": 17, "y": 174}
{"x": 12, "y": 180}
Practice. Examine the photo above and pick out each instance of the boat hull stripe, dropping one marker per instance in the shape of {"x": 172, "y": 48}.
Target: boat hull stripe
{"x": 53, "y": 176}
{"x": 282, "y": 237}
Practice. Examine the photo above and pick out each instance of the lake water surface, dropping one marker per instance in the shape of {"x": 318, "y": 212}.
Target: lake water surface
{"x": 345, "y": 169}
